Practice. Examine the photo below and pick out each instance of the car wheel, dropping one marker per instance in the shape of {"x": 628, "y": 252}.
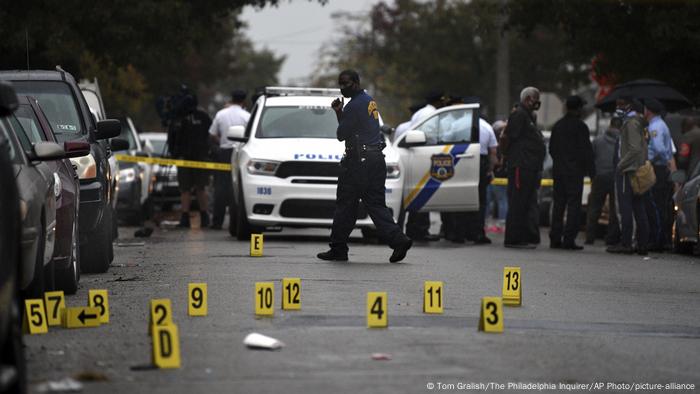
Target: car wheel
{"x": 95, "y": 253}
{"x": 36, "y": 286}
{"x": 13, "y": 351}
{"x": 243, "y": 230}
{"x": 67, "y": 278}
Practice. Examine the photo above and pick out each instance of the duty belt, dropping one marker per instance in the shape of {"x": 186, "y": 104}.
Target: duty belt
{"x": 365, "y": 148}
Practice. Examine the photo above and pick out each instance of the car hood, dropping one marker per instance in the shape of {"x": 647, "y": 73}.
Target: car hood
{"x": 304, "y": 149}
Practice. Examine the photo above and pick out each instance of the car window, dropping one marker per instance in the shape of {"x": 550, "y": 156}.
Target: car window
{"x": 58, "y": 103}
{"x": 448, "y": 127}
{"x": 249, "y": 125}
{"x": 21, "y": 134}
{"x": 6, "y": 140}
{"x": 159, "y": 147}
{"x": 297, "y": 122}
{"x": 27, "y": 118}
{"x": 127, "y": 135}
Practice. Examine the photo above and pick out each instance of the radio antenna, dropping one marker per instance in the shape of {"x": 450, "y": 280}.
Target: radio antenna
{"x": 26, "y": 40}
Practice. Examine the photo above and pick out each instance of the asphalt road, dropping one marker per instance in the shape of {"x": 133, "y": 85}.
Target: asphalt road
{"x": 586, "y": 317}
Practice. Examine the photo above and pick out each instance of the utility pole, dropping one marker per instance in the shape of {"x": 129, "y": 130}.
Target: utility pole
{"x": 502, "y": 67}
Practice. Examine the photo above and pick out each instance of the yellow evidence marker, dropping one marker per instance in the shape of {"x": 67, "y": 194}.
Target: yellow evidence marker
{"x": 161, "y": 314}
{"x": 35, "y": 317}
{"x": 81, "y": 317}
{"x": 256, "y": 245}
{"x": 491, "y": 317}
{"x": 264, "y": 298}
{"x": 376, "y": 310}
{"x": 512, "y": 286}
{"x": 100, "y": 299}
{"x": 55, "y": 302}
{"x": 291, "y": 293}
{"x": 432, "y": 297}
{"x": 166, "y": 346}
{"x": 197, "y": 299}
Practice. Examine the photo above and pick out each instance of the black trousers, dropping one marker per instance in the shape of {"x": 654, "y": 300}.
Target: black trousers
{"x": 363, "y": 180}
{"x": 418, "y": 224}
{"x": 477, "y": 220}
{"x": 567, "y": 194}
{"x": 603, "y": 186}
{"x": 632, "y": 210}
{"x": 223, "y": 188}
{"x": 523, "y": 212}
{"x": 658, "y": 206}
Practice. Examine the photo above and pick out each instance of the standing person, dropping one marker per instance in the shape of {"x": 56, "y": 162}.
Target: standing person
{"x": 498, "y": 192}
{"x": 660, "y": 153}
{"x": 363, "y": 173}
{"x": 232, "y": 115}
{"x": 418, "y": 223}
{"x": 572, "y": 159}
{"x": 488, "y": 145}
{"x": 604, "y": 184}
{"x": 188, "y": 140}
{"x": 525, "y": 153}
{"x": 632, "y": 154}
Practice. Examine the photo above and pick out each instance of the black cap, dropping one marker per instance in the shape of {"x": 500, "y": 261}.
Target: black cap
{"x": 238, "y": 95}
{"x": 575, "y": 102}
{"x": 654, "y": 105}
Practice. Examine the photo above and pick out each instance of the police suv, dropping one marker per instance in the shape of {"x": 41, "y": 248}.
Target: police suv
{"x": 285, "y": 168}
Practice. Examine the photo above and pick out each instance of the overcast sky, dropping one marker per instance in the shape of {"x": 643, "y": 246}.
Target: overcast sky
{"x": 297, "y": 29}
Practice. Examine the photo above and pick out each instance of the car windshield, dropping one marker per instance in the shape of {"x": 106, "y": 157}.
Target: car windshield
{"x": 57, "y": 102}
{"x": 297, "y": 122}
{"x": 6, "y": 140}
{"x": 30, "y": 123}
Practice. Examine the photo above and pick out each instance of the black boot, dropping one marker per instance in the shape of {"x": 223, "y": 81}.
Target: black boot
{"x": 333, "y": 255}
{"x": 184, "y": 220}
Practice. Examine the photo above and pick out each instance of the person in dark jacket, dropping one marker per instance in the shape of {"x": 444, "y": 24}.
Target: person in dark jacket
{"x": 188, "y": 139}
{"x": 525, "y": 152}
{"x": 363, "y": 173}
{"x": 572, "y": 159}
{"x": 604, "y": 184}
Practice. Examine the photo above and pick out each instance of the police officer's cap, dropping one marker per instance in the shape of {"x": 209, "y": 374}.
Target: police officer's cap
{"x": 575, "y": 102}
{"x": 435, "y": 95}
{"x": 238, "y": 95}
{"x": 654, "y": 105}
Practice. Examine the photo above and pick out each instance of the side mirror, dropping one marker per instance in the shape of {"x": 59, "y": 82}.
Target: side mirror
{"x": 117, "y": 144}
{"x": 236, "y": 133}
{"x": 47, "y": 151}
{"x": 8, "y": 99}
{"x": 679, "y": 176}
{"x": 108, "y": 128}
{"x": 386, "y": 129}
{"x": 415, "y": 138}
{"x": 76, "y": 148}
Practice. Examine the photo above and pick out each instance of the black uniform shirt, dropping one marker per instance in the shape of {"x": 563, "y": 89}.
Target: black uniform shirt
{"x": 188, "y": 136}
{"x": 570, "y": 148}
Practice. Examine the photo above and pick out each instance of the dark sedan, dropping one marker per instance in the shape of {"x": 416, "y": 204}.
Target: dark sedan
{"x": 66, "y": 256}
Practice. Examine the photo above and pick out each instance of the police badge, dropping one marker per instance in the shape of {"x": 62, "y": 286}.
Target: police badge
{"x": 442, "y": 166}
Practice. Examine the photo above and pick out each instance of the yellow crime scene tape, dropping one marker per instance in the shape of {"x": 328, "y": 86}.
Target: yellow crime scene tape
{"x": 545, "y": 182}
{"x": 204, "y": 165}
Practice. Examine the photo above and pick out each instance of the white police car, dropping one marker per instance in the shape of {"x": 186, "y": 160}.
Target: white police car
{"x": 286, "y": 166}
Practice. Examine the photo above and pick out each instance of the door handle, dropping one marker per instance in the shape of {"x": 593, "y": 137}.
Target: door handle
{"x": 465, "y": 155}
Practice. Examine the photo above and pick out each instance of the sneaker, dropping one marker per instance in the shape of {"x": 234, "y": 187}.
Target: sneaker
{"x": 400, "y": 251}
{"x": 333, "y": 255}
{"x": 203, "y": 219}
{"x": 184, "y": 220}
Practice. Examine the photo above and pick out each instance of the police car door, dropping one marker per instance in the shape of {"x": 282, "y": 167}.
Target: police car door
{"x": 442, "y": 174}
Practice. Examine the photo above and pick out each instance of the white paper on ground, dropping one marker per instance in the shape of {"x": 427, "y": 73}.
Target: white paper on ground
{"x": 255, "y": 340}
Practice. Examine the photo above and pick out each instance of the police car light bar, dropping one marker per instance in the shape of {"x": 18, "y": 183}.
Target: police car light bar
{"x": 294, "y": 91}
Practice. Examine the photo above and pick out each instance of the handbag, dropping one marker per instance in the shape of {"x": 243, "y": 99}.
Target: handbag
{"x": 643, "y": 179}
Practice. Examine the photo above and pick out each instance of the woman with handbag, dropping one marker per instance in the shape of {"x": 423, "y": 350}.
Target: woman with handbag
{"x": 632, "y": 178}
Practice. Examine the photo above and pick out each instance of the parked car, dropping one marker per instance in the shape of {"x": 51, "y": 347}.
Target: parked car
{"x": 163, "y": 181}
{"x": 38, "y": 195}
{"x": 134, "y": 178}
{"x": 66, "y": 253}
{"x": 686, "y": 225}
{"x": 12, "y": 363}
{"x": 70, "y": 119}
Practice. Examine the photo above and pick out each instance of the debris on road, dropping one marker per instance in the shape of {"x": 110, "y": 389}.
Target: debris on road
{"x": 66, "y": 385}
{"x": 131, "y": 279}
{"x": 259, "y": 341}
{"x": 381, "y": 356}
{"x": 90, "y": 376}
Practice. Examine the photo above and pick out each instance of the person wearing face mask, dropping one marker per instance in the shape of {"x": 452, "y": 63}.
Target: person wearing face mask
{"x": 526, "y": 152}
{"x": 363, "y": 173}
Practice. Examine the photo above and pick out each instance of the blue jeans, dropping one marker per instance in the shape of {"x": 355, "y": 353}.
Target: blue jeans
{"x": 499, "y": 196}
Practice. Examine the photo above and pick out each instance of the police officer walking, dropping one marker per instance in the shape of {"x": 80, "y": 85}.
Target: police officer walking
{"x": 363, "y": 173}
